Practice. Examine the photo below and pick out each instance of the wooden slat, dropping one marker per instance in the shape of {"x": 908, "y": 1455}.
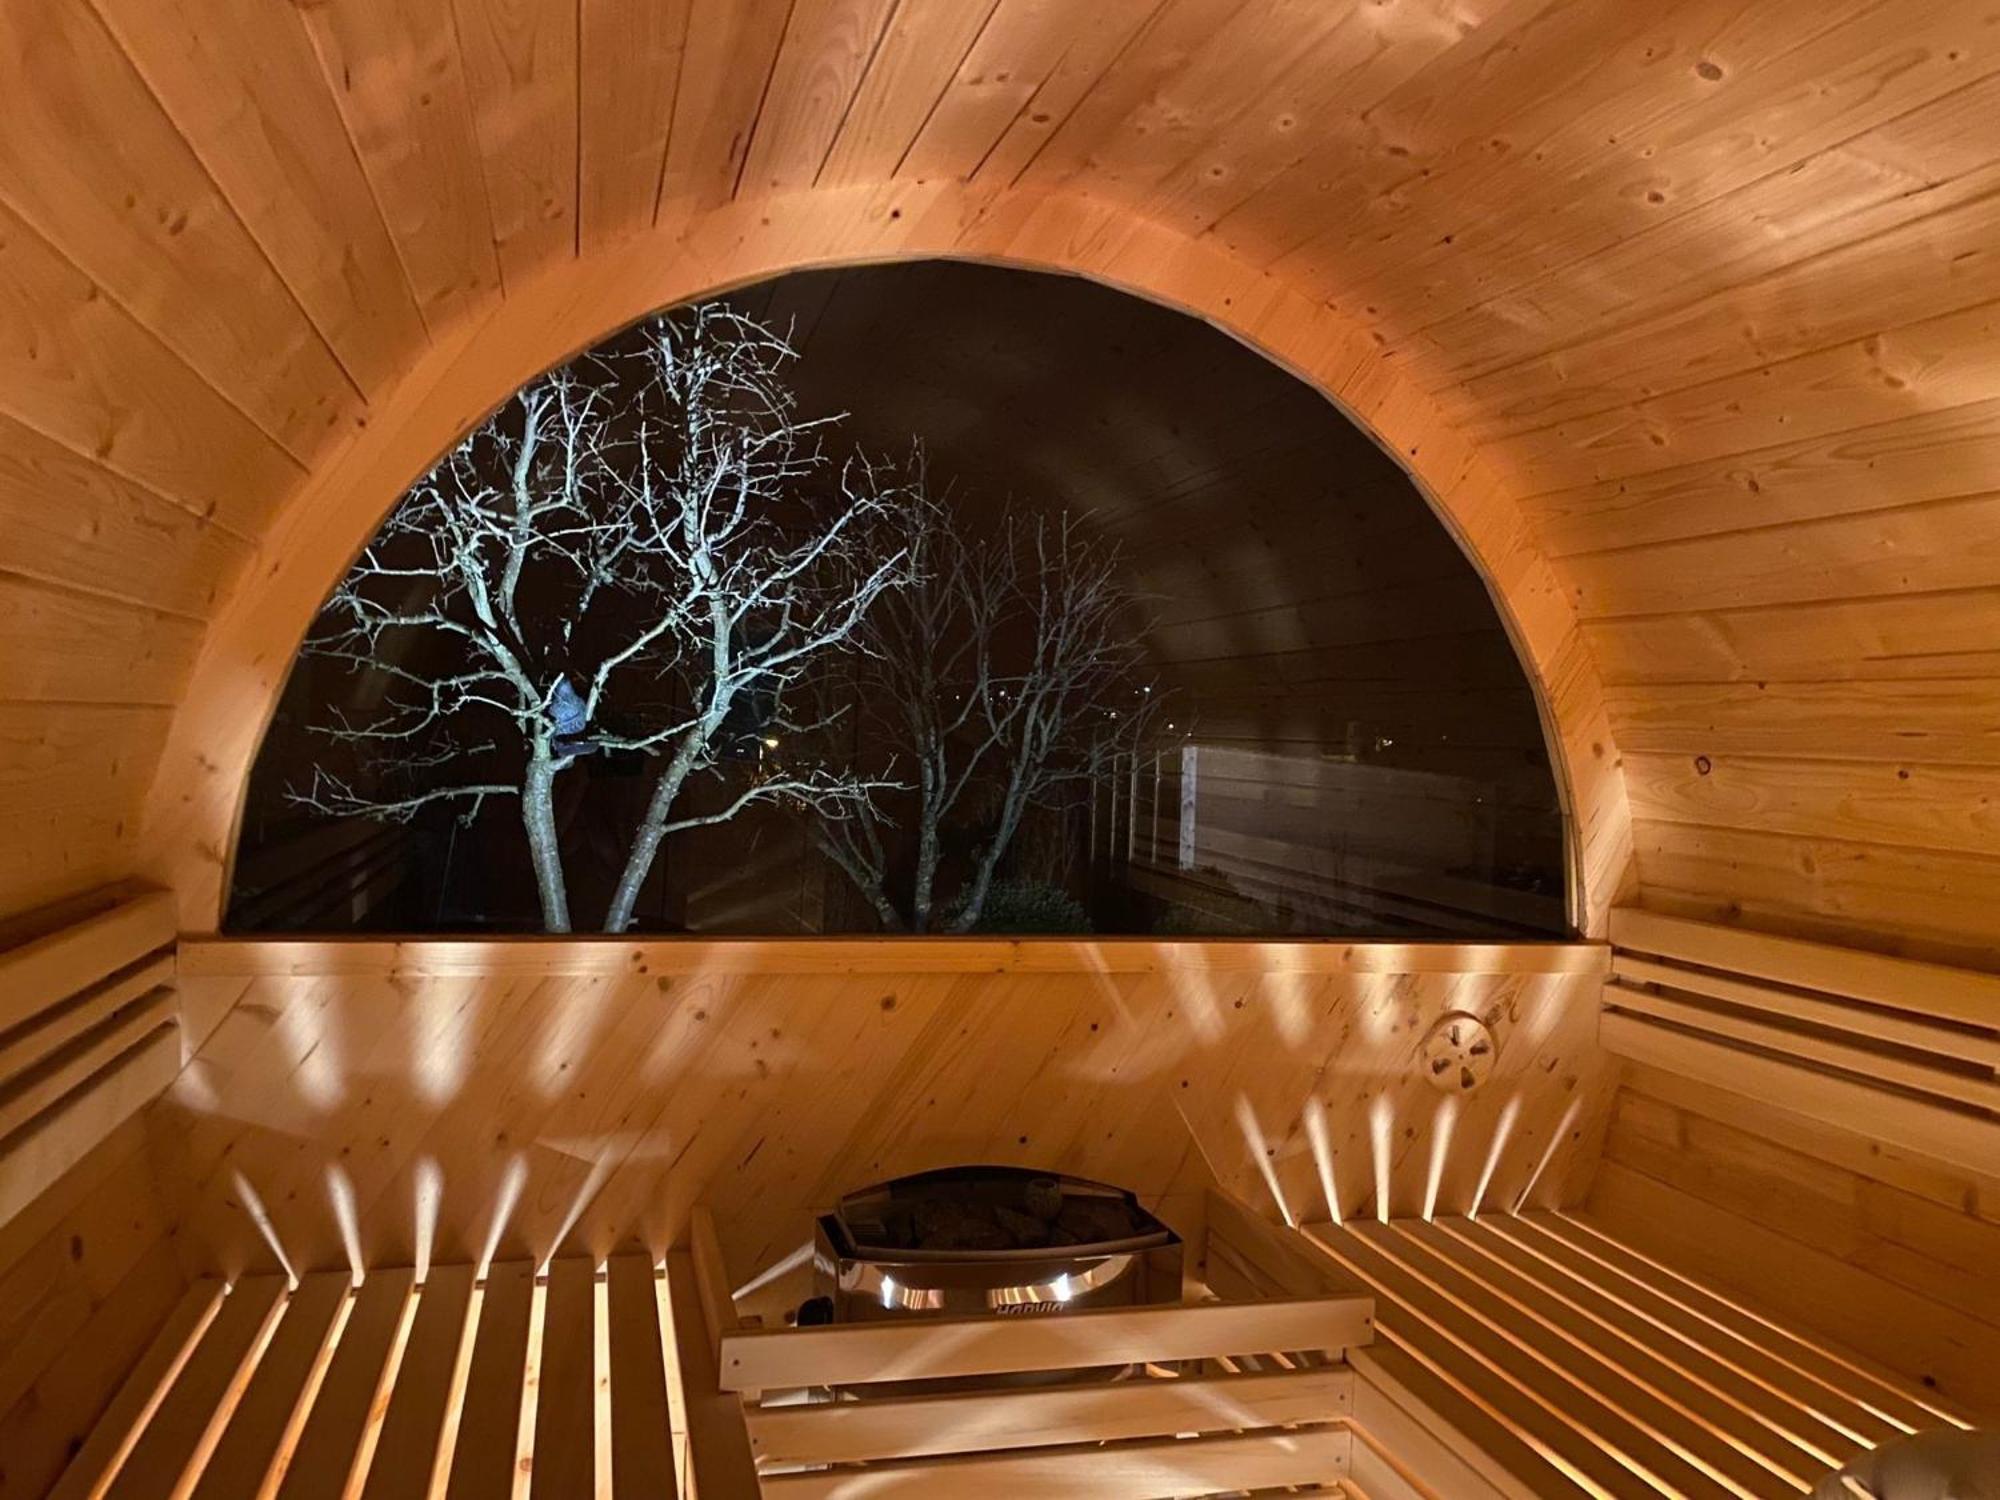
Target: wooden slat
{"x": 642, "y": 1448}
{"x": 409, "y": 1459}
{"x": 1948, "y": 993}
{"x": 1874, "y": 1066}
{"x": 844, "y": 1354}
{"x": 55, "y": 1142}
{"x": 1578, "y": 1353}
{"x": 514, "y": 957}
{"x": 1755, "y": 1372}
{"x": 1122, "y": 1471}
{"x": 1286, "y": 1257}
{"x": 270, "y": 1407}
{"x": 38, "y": 974}
{"x": 1933, "y": 1129}
{"x": 482, "y": 1463}
{"x": 71, "y": 1067}
{"x": 123, "y": 1421}
{"x": 1434, "y": 1430}
{"x": 330, "y": 1442}
{"x": 1555, "y": 1425}
{"x": 711, "y": 1276}
{"x": 565, "y": 1413}
{"x": 867, "y": 1431}
{"x": 1761, "y": 1415}
{"x": 719, "y": 1462}
{"x": 97, "y": 1004}
{"x": 1628, "y": 972}
{"x": 182, "y": 1433}
{"x": 1817, "y": 1303}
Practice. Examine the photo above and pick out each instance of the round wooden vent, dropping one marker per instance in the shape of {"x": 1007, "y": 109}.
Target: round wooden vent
{"x": 1459, "y": 1052}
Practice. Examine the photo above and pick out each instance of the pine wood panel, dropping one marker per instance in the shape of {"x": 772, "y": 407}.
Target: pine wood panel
{"x": 1912, "y": 1333}
{"x": 398, "y": 75}
{"x": 596, "y": 1109}
{"x": 87, "y": 1278}
{"x": 521, "y": 76}
{"x": 1706, "y": 280}
{"x": 126, "y": 201}
{"x": 243, "y": 86}
{"x": 631, "y": 51}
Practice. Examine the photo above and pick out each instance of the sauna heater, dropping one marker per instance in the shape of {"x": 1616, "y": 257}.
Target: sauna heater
{"x": 1005, "y": 1241}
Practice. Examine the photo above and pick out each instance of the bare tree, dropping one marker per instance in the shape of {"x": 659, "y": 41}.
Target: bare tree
{"x": 1007, "y": 674}
{"x": 636, "y": 555}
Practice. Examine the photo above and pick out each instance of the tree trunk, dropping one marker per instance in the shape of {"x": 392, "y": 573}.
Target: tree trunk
{"x": 652, "y": 829}
{"x": 983, "y": 867}
{"x": 538, "y": 817}
{"x": 926, "y": 876}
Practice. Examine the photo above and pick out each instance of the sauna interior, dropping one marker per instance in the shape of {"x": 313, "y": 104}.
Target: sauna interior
{"x": 1653, "y": 353}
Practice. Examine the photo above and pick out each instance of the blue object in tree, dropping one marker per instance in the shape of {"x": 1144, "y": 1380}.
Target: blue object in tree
{"x": 572, "y": 717}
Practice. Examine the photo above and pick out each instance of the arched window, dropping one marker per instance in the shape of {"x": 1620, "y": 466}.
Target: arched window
{"x": 1048, "y": 610}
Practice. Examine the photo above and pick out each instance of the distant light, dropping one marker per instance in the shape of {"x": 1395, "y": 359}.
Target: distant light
{"x": 770, "y": 742}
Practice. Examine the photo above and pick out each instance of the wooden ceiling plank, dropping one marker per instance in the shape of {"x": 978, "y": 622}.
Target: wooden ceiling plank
{"x": 522, "y": 79}
{"x": 1941, "y": 363}
{"x": 1910, "y": 459}
{"x": 629, "y": 57}
{"x": 1915, "y": 186}
{"x": 72, "y": 523}
{"x": 88, "y": 156}
{"x": 1174, "y": 37}
{"x": 1808, "y": 99}
{"x": 1811, "y": 79}
{"x": 57, "y": 645}
{"x": 243, "y": 86}
{"x": 924, "y": 48}
{"x": 1339, "y": 78}
{"x": 1030, "y": 65}
{"x": 79, "y": 369}
{"x": 1940, "y": 722}
{"x": 396, "y": 75}
{"x": 1938, "y": 265}
{"x": 1529, "y": 73}
{"x": 1944, "y": 545}
{"x": 1192, "y": 95}
{"x": 1900, "y": 636}
{"x": 828, "y": 48}
{"x": 726, "y": 71}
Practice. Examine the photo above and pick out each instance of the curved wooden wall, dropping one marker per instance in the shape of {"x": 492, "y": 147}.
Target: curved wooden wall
{"x": 1682, "y": 314}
